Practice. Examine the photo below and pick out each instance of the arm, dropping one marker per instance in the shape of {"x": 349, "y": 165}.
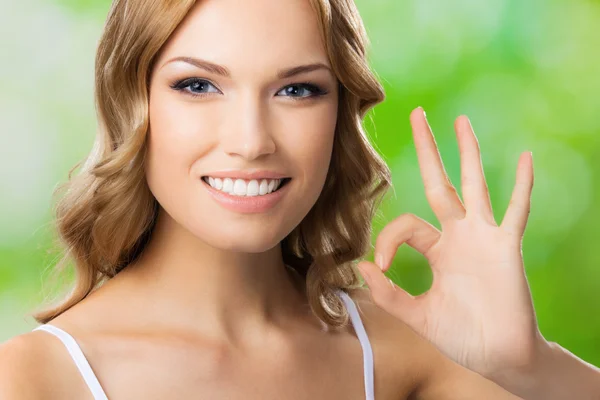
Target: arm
{"x": 447, "y": 380}
{"x": 479, "y": 310}
{"x": 555, "y": 373}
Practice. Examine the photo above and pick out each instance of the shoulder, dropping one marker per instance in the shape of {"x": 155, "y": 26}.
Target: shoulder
{"x": 36, "y": 365}
{"x": 24, "y": 366}
{"x": 412, "y": 367}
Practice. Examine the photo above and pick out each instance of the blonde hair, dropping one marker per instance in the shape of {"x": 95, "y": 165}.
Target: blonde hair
{"x": 107, "y": 213}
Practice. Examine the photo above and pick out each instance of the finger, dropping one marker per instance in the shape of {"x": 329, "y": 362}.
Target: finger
{"x": 517, "y": 214}
{"x": 409, "y": 229}
{"x": 391, "y": 297}
{"x": 474, "y": 187}
{"x": 439, "y": 191}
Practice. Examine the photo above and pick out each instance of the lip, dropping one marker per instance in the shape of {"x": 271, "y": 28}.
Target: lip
{"x": 247, "y": 174}
{"x": 247, "y": 204}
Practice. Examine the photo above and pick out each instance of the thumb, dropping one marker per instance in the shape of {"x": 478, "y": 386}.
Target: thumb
{"x": 386, "y": 294}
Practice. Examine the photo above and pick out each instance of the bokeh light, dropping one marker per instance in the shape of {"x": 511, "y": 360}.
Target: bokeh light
{"x": 526, "y": 73}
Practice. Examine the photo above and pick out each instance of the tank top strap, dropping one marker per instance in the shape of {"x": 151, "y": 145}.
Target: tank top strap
{"x": 364, "y": 342}
{"x": 94, "y": 385}
{"x": 80, "y": 361}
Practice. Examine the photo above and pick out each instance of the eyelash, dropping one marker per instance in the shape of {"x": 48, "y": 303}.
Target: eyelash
{"x": 182, "y": 84}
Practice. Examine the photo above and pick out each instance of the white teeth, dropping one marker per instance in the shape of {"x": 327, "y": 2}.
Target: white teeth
{"x": 240, "y": 187}
{"x": 227, "y": 185}
{"x": 264, "y": 187}
{"x": 218, "y": 183}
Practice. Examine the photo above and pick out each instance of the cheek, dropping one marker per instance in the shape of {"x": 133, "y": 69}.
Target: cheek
{"x": 173, "y": 146}
{"x": 175, "y": 129}
{"x": 311, "y": 142}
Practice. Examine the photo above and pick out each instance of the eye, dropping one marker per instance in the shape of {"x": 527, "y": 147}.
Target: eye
{"x": 196, "y": 87}
{"x": 193, "y": 86}
{"x": 295, "y": 88}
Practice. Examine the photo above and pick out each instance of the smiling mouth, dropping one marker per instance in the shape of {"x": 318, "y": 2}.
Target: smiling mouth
{"x": 284, "y": 182}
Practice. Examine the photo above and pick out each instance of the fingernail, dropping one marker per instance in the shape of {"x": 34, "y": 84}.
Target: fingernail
{"x": 379, "y": 260}
{"x": 392, "y": 284}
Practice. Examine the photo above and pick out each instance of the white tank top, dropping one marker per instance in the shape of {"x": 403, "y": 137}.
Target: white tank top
{"x": 92, "y": 381}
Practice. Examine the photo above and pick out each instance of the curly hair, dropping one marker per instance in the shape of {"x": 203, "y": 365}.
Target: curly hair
{"x": 107, "y": 213}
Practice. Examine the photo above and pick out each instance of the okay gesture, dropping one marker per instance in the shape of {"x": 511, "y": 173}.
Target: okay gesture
{"x": 478, "y": 310}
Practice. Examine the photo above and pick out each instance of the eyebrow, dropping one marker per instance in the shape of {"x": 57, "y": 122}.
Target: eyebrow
{"x": 223, "y": 71}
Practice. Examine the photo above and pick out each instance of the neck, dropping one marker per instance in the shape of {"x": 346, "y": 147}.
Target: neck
{"x": 192, "y": 285}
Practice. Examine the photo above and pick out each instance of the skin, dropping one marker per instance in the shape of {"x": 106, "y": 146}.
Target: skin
{"x": 210, "y": 308}
{"x": 479, "y": 310}
{"x": 479, "y": 281}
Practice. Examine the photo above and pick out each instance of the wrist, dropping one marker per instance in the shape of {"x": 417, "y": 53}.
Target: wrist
{"x": 527, "y": 377}
{"x": 551, "y": 373}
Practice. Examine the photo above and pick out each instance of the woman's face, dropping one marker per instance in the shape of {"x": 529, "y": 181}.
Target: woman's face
{"x": 223, "y": 98}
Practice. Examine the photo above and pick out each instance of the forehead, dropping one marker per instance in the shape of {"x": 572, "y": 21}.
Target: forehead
{"x": 247, "y": 35}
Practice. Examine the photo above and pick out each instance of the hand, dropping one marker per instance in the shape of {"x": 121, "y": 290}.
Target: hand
{"x": 478, "y": 310}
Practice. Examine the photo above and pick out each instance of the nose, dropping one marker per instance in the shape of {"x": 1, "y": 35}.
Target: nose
{"x": 248, "y": 134}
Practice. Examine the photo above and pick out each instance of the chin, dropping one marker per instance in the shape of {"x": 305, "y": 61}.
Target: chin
{"x": 241, "y": 236}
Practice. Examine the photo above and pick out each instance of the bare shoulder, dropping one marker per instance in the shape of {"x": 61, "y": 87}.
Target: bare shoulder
{"x": 407, "y": 366}
{"x": 23, "y": 361}
{"x": 35, "y": 365}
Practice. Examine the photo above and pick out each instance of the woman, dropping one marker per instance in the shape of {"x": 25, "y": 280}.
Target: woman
{"x": 184, "y": 291}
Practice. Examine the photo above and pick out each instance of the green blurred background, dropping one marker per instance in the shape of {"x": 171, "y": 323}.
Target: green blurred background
{"x": 527, "y": 73}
